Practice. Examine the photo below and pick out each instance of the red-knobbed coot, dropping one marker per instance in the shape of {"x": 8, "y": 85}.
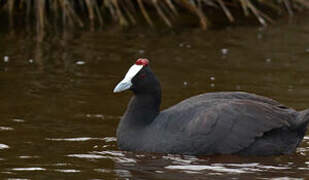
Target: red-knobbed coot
{"x": 212, "y": 123}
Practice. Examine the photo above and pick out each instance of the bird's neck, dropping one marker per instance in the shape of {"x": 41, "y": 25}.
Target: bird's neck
{"x": 141, "y": 111}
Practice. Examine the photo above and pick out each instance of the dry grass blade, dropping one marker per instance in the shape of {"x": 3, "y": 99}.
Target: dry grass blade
{"x": 125, "y": 11}
{"x": 66, "y": 15}
{"x": 90, "y": 13}
{"x": 11, "y": 4}
{"x": 90, "y": 9}
{"x": 256, "y": 12}
{"x": 303, "y": 2}
{"x": 199, "y": 4}
{"x": 288, "y": 7}
{"x": 108, "y": 4}
{"x": 74, "y": 15}
{"x": 122, "y": 19}
{"x": 28, "y": 7}
{"x": 40, "y": 15}
{"x": 226, "y": 10}
{"x": 93, "y": 8}
{"x": 244, "y": 7}
{"x": 272, "y": 5}
{"x": 11, "y": 8}
{"x": 40, "y": 5}
{"x": 97, "y": 9}
{"x": 144, "y": 12}
{"x": 165, "y": 8}
{"x": 70, "y": 13}
{"x": 194, "y": 9}
{"x": 130, "y": 6}
{"x": 210, "y": 3}
{"x": 161, "y": 14}
{"x": 128, "y": 13}
{"x": 171, "y": 6}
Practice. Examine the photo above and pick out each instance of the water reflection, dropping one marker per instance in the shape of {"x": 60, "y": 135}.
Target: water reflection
{"x": 80, "y": 139}
{"x": 4, "y": 146}
{"x": 214, "y": 167}
{"x": 28, "y": 157}
{"x": 67, "y": 170}
{"x": 3, "y": 128}
{"x": 18, "y": 120}
{"x": 29, "y": 169}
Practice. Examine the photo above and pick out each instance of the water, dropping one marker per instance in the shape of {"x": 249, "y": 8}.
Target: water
{"x": 58, "y": 115}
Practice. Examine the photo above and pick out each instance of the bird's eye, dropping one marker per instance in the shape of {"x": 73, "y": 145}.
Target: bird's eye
{"x": 142, "y": 76}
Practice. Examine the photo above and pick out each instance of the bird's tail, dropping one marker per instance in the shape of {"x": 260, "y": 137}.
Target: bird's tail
{"x": 301, "y": 124}
{"x": 303, "y": 120}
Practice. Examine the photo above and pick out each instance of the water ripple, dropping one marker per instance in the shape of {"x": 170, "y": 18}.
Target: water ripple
{"x": 116, "y": 156}
{"x": 179, "y": 160}
{"x": 29, "y": 157}
{"x": 123, "y": 173}
{"x": 29, "y": 169}
{"x": 4, "y": 128}
{"x": 227, "y": 167}
{"x": 113, "y": 153}
{"x": 4, "y": 146}
{"x": 62, "y": 164}
{"x": 120, "y": 172}
{"x": 18, "y": 120}
{"x": 98, "y": 116}
{"x": 101, "y": 116}
{"x": 306, "y": 138}
{"x": 67, "y": 170}
{"x": 204, "y": 167}
{"x": 77, "y": 139}
{"x": 110, "y": 139}
{"x": 103, "y": 170}
{"x": 86, "y": 156}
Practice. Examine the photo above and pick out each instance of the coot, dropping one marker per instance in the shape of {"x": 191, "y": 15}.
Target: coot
{"x": 212, "y": 123}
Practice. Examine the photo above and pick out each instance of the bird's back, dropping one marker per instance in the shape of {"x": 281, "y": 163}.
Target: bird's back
{"x": 225, "y": 123}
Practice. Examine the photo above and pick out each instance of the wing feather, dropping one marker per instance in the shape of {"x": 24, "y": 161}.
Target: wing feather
{"x": 230, "y": 126}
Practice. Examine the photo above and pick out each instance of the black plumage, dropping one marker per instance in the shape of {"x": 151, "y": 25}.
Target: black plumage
{"x": 212, "y": 123}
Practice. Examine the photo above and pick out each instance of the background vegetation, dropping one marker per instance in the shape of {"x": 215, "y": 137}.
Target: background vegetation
{"x": 98, "y": 13}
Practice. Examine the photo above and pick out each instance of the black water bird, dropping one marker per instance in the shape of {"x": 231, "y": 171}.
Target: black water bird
{"x": 211, "y": 123}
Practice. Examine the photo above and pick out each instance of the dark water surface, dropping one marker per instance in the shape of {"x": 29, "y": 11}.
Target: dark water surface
{"x": 58, "y": 115}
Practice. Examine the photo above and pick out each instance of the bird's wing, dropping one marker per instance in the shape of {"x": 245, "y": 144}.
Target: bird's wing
{"x": 228, "y": 126}
{"x": 234, "y": 95}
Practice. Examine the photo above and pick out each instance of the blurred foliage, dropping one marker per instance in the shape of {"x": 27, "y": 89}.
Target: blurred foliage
{"x": 97, "y": 13}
